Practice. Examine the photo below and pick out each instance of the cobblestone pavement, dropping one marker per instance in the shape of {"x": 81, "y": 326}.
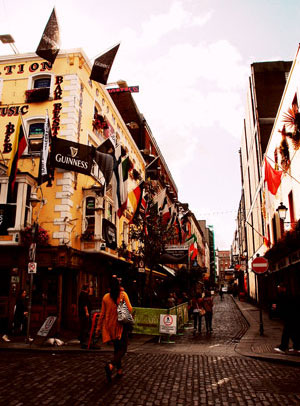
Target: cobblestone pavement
{"x": 149, "y": 380}
{"x": 201, "y": 370}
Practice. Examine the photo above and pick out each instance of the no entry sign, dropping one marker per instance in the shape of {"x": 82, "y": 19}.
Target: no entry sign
{"x": 260, "y": 265}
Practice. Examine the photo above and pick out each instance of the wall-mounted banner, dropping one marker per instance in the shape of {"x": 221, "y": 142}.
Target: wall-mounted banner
{"x": 109, "y": 233}
{"x": 71, "y": 156}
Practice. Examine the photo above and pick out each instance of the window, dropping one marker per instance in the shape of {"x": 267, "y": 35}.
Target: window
{"x": 35, "y": 137}
{"x": 39, "y": 88}
{"x": 89, "y": 218}
{"x": 27, "y": 206}
{"x": 41, "y": 82}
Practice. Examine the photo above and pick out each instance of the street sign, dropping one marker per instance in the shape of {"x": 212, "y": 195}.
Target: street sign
{"x": 32, "y": 266}
{"x": 168, "y": 324}
{"x": 260, "y": 265}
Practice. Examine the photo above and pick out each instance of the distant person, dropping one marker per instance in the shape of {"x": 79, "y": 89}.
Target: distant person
{"x": 84, "y": 312}
{"x": 288, "y": 309}
{"x": 112, "y": 330}
{"x": 198, "y": 312}
{"x": 208, "y": 306}
{"x": 221, "y": 293}
{"x": 20, "y": 314}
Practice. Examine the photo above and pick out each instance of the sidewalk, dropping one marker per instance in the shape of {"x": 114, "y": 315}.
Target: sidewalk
{"x": 252, "y": 344}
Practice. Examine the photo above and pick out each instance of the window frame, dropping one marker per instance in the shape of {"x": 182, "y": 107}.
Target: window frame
{"x": 27, "y": 124}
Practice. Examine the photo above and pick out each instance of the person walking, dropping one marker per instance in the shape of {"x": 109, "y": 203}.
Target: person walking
{"x": 208, "y": 306}
{"x": 288, "y": 309}
{"x": 221, "y": 293}
{"x": 111, "y": 329}
{"x": 20, "y": 314}
{"x": 84, "y": 312}
{"x": 198, "y": 312}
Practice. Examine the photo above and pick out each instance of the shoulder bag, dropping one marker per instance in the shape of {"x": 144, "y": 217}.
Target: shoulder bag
{"x": 124, "y": 315}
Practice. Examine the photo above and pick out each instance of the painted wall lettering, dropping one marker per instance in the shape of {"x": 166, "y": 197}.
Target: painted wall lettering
{"x": 19, "y": 69}
{"x": 56, "y": 118}
{"x": 7, "y": 146}
{"x": 58, "y": 89}
{"x": 14, "y": 110}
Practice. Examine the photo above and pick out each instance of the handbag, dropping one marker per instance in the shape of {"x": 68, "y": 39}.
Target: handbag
{"x": 124, "y": 315}
{"x": 202, "y": 311}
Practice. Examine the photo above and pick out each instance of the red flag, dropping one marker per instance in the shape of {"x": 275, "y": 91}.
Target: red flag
{"x": 272, "y": 177}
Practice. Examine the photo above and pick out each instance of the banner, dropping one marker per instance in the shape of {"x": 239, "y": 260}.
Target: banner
{"x": 102, "y": 66}
{"x": 109, "y": 233}
{"x": 48, "y": 47}
{"x": 71, "y": 156}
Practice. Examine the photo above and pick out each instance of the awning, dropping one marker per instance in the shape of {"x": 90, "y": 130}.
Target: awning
{"x": 168, "y": 270}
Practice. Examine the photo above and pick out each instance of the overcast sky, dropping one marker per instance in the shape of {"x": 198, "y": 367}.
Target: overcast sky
{"x": 191, "y": 59}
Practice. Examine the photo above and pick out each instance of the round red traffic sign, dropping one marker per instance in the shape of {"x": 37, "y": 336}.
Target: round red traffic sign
{"x": 260, "y": 265}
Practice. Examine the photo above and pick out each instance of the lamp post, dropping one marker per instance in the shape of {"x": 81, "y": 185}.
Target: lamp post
{"x": 34, "y": 200}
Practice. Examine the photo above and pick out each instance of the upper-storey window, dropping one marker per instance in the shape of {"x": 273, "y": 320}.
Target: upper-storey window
{"x": 39, "y": 88}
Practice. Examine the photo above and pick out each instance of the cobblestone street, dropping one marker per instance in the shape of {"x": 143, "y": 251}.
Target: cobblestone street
{"x": 182, "y": 374}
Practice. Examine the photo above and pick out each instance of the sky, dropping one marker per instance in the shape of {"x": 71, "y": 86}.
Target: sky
{"x": 191, "y": 60}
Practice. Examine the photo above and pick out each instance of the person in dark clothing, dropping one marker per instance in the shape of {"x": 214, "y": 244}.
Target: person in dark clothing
{"x": 289, "y": 312}
{"x": 208, "y": 306}
{"x": 21, "y": 314}
{"x": 84, "y": 311}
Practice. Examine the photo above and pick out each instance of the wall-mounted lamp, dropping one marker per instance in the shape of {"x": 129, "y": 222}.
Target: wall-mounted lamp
{"x": 282, "y": 210}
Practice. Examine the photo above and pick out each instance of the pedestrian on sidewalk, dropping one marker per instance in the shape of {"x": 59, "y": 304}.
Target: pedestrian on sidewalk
{"x": 84, "y": 312}
{"x": 198, "y": 312}
{"x": 288, "y": 308}
{"x": 112, "y": 330}
{"x": 221, "y": 293}
{"x": 208, "y": 306}
{"x": 20, "y": 314}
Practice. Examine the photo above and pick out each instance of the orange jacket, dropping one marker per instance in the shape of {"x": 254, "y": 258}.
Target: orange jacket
{"x": 111, "y": 328}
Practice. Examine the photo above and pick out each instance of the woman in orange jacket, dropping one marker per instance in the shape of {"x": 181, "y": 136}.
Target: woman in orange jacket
{"x": 112, "y": 330}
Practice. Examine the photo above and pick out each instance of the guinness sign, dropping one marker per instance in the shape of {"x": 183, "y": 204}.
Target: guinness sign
{"x": 72, "y": 156}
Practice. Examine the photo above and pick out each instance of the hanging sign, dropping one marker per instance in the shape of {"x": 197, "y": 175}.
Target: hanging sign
{"x": 71, "y": 156}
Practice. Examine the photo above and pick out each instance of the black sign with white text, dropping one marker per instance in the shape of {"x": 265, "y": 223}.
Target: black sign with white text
{"x": 71, "y": 156}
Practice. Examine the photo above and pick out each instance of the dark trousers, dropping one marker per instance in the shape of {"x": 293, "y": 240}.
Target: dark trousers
{"x": 208, "y": 321}
{"x": 197, "y": 321}
{"x": 120, "y": 349}
{"x": 290, "y": 331}
{"x": 83, "y": 329}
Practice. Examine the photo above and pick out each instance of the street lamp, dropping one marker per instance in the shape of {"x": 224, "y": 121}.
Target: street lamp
{"x": 34, "y": 200}
{"x": 282, "y": 210}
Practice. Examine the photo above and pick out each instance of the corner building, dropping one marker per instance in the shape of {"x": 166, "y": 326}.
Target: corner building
{"x": 76, "y": 211}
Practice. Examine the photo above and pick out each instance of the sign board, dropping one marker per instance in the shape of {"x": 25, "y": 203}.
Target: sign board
{"x": 168, "y": 324}
{"x": 32, "y": 267}
{"x": 260, "y": 265}
{"x": 46, "y": 327}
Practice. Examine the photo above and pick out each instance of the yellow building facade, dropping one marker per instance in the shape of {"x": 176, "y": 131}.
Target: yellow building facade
{"x": 75, "y": 209}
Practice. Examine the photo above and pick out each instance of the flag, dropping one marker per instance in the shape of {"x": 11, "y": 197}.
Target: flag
{"x": 120, "y": 176}
{"x": 105, "y": 163}
{"x": 272, "y": 178}
{"x": 18, "y": 147}
{"x": 108, "y": 146}
{"x": 193, "y": 250}
{"x": 135, "y": 198}
{"x": 102, "y": 65}
{"x": 48, "y": 47}
{"x": 44, "y": 170}
{"x": 124, "y": 186}
{"x": 159, "y": 199}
